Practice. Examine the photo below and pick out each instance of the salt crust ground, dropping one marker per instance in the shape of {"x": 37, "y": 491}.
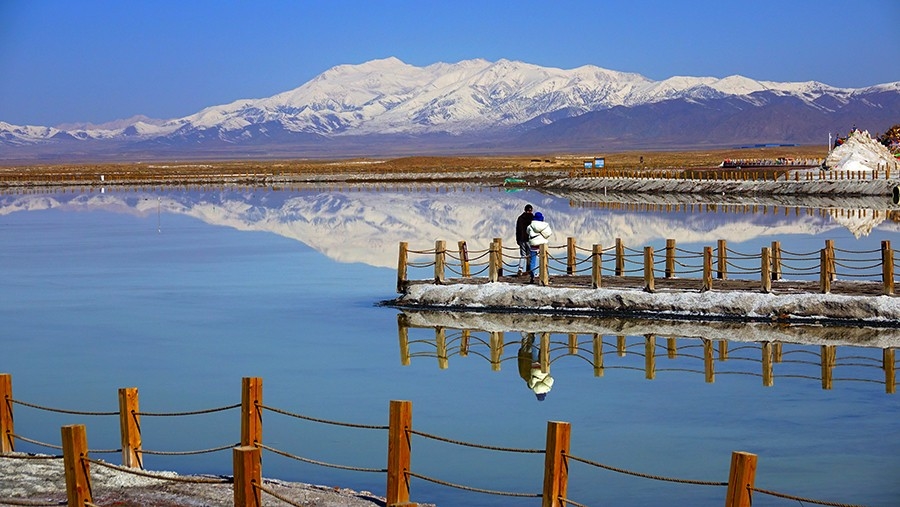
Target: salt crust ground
{"x": 43, "y": 481}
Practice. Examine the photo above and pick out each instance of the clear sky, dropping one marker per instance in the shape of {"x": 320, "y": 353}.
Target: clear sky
{"x": 95, "y": 61}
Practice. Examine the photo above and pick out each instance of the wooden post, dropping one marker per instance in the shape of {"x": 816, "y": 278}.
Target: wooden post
{"x": 764, "y": 276}
{"x": 671, "y": 347}
{"x": 670, "y": 258}
{"x": 130, "y": 427}
{"x": 556, "y": 466}
{"x": 828, "y": 355}
{"x": 544, "y": 353}
{"x": 401, "y": 267}
{"x": 649, "y": 356}
{"x": 776, "y": 260}
{"x": 829, "y": 247}
{"x": 464, "y": 259}
{"x": 78, "y": 470}
{"x": 399, "y": 452}
{"x": 722, "y": 266}
{"x": 741, "y": 478}
{"x": 251, "y": 413}
{"x": 440, "y": 257}
{"x": 648, "y": 269}
{"x": 544, "y": 263}
{"x": 620, "y": 345}
{"x": 464, "y": 342}
{"x": 768, "y": 374}
{"x": 495, "y": 343}
{"x": 824, "y": 273}
{"x": 247, "y": 465}
{"x": 596, "y": 266}
{"x": 403, "y": 334}
{"x": 887, "y": 268}
{"x": 890, "y": 377}
{"x": 620, "y": 257}
{"x": 440, "y": 339}
{"x": 723, "y": 350}
{"x": 493, "y": 262}
{"x": 7, "y": 443}
{"x": 707, "y": 269}
{"x": 499, "y": 242}
{"x": 570, "y": 256}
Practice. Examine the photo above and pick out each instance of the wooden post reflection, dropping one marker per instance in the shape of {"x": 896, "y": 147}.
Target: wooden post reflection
{"x": 620, "y": 257}
{"x": 649, "y": 356}
{"x": 403, "y": 333}
{"x": 545, "y": 352}
{"x": 464, "y": 259}
{"x": 440, "y": 250}
{"x": 620, "y": 345}
{"x": 827, "y": 361}
{"x": 648, "y": 269}
{"x": 598, "y": 355}
{"x": 464, "y": 343}
{"x": 723, "y": 350}
{"x": 440, "y": 338}
{"x": 671, "y": 348}
{"x": 709, "y": 368}
{"x": 573, "y": 344}
{"x": 707, "y": 269}
{"x": 890, "y": 378}
{"x": 596, "y": 266}
{"x": 570, "y": 256}
{"x": 776, "y": 352}
{"x": 767, "y": 372}
{"x": 496, "y": 349}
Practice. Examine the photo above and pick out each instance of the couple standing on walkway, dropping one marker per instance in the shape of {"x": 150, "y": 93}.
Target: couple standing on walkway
{"x": 531, "y": 232}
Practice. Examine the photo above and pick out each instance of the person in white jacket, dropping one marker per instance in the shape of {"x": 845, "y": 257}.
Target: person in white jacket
{"x": 539, "y": 233}
{"x": 540, "y": 382}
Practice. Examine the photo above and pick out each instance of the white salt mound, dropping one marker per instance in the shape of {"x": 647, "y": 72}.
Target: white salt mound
{"x": 861, "y": 153}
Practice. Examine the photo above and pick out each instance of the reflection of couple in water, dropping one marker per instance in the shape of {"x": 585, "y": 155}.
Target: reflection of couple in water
{"x": 538, "y": 380}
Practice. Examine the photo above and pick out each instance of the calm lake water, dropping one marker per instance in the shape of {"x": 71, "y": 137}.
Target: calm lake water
{"x": 181, "y": 293}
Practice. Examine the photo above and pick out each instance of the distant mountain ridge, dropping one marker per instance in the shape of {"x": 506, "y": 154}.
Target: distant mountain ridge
{"x": 389, "y": 107}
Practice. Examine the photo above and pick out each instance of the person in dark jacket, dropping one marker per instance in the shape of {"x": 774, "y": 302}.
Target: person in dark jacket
{"x": 522, "y": 224}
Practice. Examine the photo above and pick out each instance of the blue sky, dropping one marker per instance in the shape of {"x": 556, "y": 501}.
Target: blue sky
{"x": 96, "y": 61}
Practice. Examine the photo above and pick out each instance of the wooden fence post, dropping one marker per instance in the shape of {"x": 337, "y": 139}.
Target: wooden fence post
{"x": 768, "y": 373}
{"x": 440, "y": 340}
{"x": 495, "y": 344}
{"x": 890, "y": 377}
{"x": 493, "y": 262}
{"x": 247, "y": 465}
{"x": 824, "y": 273}
{"x": 598, "y": 354}
{"x": 440, "y": 255}
{"x": 130, "y": 427}
{"x": 764, "y": 265}
{"x": 570, "y": 256}
{"x": 399, "y": 453}
{"x": 828, "y": 357}
{"x": 7, "y": 443}
{"x": 650, "y": 356}
{"x": 596, "y": 266}
{"x": 707, "y": 269}
{"x": 544, "y": 263}
{"x": 464, "y": 259}
{"x": 620, "y": 257}
{"x": 887, "y": 268}
{"x": 251, "y": 411}
{"x": 709, "y": 366}
{"x": 648, "y": 269}
{"x": 78, "y": 470}
{"x": 401, "y": 267}
{"x": 403, "y": 335}
{"x": 829, "y": 247}
{"x": 499, "y": 242}
{"x": 776, "y": 260}
{"x": 556, "y": 467}
{"x": 741, "y": 478}
{"x": 722, "y": 267}
{"x": 670, "y": 258}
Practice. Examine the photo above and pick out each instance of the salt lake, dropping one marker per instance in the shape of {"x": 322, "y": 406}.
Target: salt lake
{"x": 182, "y": 292}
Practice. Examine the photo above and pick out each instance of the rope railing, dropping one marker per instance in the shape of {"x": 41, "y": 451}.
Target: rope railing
{"x": 161, "y": 477}
{"x": 644, "y": 475}
{"x": 61, "y": 410}
{"x": 277, "y": 495}
{"x": 472, "y": 489}
{"x": 321, "y": 463}
{"x": 801, "y": 499}
{"x": 192, "y": 412}
{"x": 187, "y": 453}
{"x": 323, "y": 421}
{"x": 474, "y": 445}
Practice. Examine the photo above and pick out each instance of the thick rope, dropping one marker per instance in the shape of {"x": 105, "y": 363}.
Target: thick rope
{"x": 322, "y": 463}
{"x": 189, "y": 453}
{"x": 645, "y": 476}
{"x": 802, "y": 499}
{"x": 276, "y": 495}
{"x": 566, "y": 501}
{"x": 195, "y": 412}
{"x": 469, "y": 488}
{"x": 60, "y": 410}
{"x": 30, "y": 456}
{"x": 324, "y": 421}
{"x": 478, "y": 446}
{"x": 133, "y": 471}
{"x": 36, "y": 442}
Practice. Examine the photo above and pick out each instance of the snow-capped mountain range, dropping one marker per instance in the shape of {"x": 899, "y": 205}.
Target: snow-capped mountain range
{"x": 476, "y": 105}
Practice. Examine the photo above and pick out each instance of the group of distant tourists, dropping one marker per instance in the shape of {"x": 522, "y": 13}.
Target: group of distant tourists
{"x": 531, "y": 232}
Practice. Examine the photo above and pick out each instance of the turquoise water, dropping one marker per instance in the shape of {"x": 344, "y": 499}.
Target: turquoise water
{"x": 182, "y": 293}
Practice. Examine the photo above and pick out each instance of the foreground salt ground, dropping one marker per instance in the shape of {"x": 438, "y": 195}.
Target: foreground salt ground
{"x": 43, "y": 481}
{"x": 877, "y": 311}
